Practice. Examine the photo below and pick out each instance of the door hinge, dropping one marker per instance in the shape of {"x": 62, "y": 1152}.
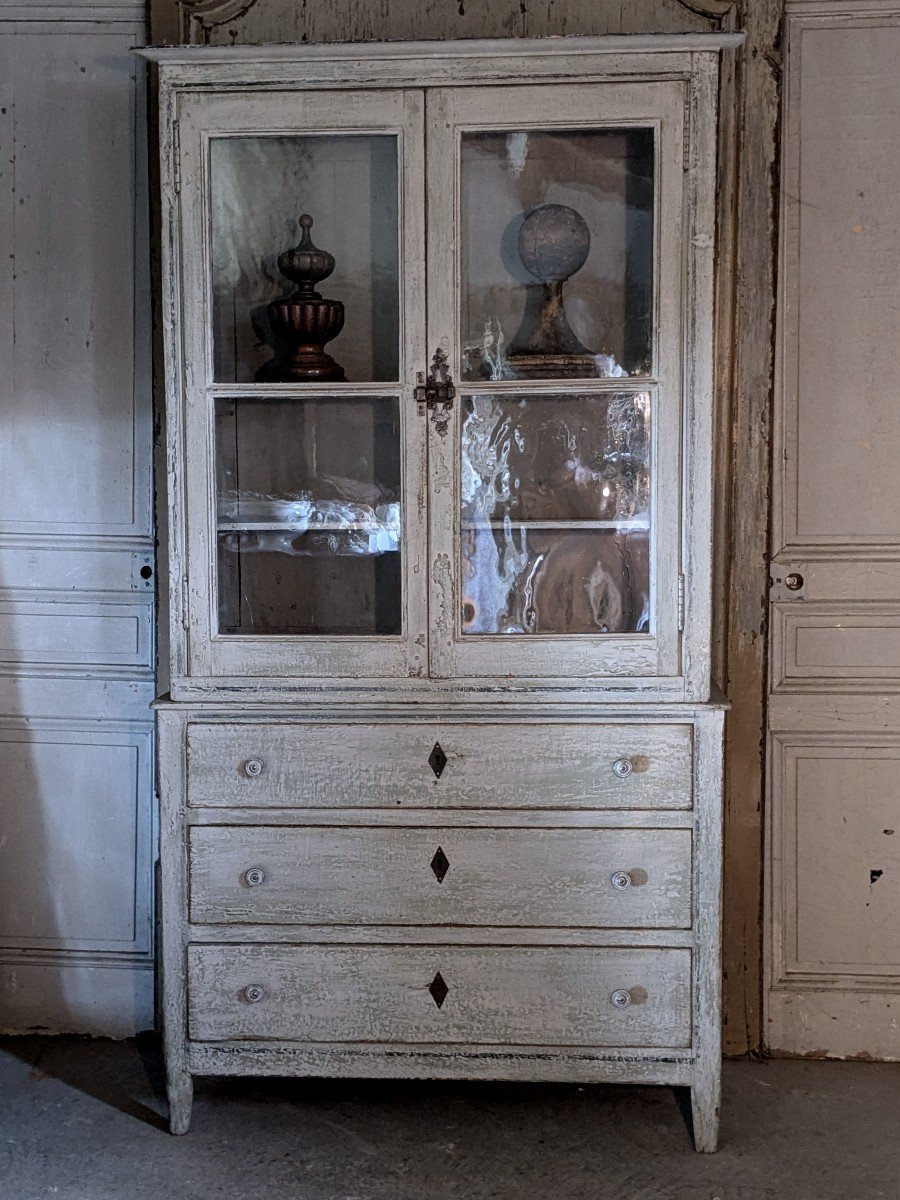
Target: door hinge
{"x": 680, "y": 603}
{"x": 176, "y": 156}
{"x": 689, "y": 101}
{"x": 184, "y": 602}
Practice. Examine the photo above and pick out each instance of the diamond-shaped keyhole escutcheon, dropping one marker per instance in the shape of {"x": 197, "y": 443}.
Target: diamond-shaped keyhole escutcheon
{"x": 438, "y": 989}
{"x": 437, "y": 759}
{"x": 440, "y": 864}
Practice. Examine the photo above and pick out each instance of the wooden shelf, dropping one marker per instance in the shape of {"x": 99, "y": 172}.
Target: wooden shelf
{"x": 622, "y": 526}
{"x": 299, "y": 527}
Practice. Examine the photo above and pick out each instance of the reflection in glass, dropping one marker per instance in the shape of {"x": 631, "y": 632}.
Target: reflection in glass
{"x": 557, "y": 253}
{"x": 555, "y": 520}
{"x": 309, "y": 516}
{"x": 260, "y": 187}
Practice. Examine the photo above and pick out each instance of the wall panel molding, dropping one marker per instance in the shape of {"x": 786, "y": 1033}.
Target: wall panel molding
{"x": 832, "y": 969}
{"x": 77, "y": 575}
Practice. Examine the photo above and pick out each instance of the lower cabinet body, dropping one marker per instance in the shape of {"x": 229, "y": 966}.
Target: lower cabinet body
{"x": 502, "y": 899}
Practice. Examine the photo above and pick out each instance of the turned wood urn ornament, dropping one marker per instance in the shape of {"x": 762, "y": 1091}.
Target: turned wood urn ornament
{"x": 305, "y": 321}
{"x": 554, "y": 242}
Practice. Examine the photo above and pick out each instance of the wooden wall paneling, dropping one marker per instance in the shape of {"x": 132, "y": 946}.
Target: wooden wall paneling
{"x": 748, "y": 205}
{"x": 832, "y": 964}
{"x": 246, "y": 22}
{"x": 76, "y": 548}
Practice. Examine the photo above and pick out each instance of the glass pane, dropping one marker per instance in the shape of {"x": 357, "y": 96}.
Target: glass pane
{"x": 557, "y": 254}
{"x": 309, "y": 516}
{"x": 555, "y": 514}
{"x": 261, "y": 187}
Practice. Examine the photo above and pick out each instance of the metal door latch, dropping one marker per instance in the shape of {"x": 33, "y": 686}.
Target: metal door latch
{"x": 437, "y": 394}
{"x": 786, "y": 582}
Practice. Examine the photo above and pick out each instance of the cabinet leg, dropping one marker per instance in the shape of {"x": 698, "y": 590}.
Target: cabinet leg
{"x": 705, "y": 1117}
{"x": 180, "y": 1089}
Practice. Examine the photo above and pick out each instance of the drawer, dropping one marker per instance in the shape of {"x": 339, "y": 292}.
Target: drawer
{"x": 619, "y": 878}
{"x": 552, "y": 765}
{"x": 480, "y": 995}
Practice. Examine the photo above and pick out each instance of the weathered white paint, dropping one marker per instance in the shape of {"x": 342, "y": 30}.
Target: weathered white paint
{"x": 366, "y": 766}
{"x": 833, "y": 887}
{"x": 365, "y": 876}
{"x": 663, "y": 107}
{"x": 76, "y": 616}
{"x": 257, "y": 757}
{"x": 535, "y": 995}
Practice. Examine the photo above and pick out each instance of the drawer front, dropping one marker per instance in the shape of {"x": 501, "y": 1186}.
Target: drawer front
{"x": 561, "y": 765}
{"x": 614, "y": 878}
{"x": 480, "y": 995}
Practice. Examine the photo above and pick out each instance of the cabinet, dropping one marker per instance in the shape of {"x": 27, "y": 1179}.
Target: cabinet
{"x": 440, "y": 766}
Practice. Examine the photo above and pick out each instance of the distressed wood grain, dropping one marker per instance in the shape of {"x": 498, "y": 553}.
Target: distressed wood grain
{"x": 747, "y": 212}
{"x": 345, "y": 754}
{"x": 534, "y": 995}
{"x": 226, "y": 22}
{"x": 488, "y": 766}
{"x": 365, "y": 876}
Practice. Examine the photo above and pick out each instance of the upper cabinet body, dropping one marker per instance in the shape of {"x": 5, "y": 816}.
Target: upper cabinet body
{"x": 439, "y": 368}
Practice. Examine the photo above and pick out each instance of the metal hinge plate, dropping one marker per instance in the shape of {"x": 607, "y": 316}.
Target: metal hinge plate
{"x": 176, "y": 156}
{"x": 680, "y": 603}
{"x": 184, "y": 601}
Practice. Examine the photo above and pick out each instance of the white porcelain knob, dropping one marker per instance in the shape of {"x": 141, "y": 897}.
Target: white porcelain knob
{"x": 254, "y": 877}
{"x": 253, "y": 993}
{"x": 622, "y": 768}
{"x": 253, "y": 767}
{"x": 621, "y": 880}
{"x": 620, "y": 999}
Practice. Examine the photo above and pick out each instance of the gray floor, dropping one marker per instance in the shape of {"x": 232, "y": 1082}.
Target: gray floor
{"x": 85, "y": 1120}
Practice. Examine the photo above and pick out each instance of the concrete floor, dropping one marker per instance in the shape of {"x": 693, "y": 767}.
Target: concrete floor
{"x": 84, "y": 1120}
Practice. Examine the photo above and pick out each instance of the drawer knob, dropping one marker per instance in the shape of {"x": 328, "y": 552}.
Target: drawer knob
{"x": 253, "y": 767}
{"x": 622, "y": 768}
{"x": 253, "y": 993}
{"x": 254, "y": 877}
{"x": 620, "y": 998}
{"x": 621, "y": 880}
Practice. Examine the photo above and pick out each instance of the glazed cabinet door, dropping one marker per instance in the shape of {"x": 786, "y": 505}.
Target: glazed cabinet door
{"x": 298, "y": 518}
{"x": 555, "y": 274}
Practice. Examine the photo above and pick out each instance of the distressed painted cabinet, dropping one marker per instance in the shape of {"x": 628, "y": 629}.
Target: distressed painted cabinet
{"x": 440, "y": 767}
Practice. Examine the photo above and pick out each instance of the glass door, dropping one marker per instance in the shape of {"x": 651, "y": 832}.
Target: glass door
{"x": 303, "y": 312}
{"x": 555, "y": 294}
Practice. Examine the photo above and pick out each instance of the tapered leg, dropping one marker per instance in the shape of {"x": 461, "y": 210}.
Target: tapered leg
{"x": 180, "y": 1089}
{"x": 705, "y": 1115}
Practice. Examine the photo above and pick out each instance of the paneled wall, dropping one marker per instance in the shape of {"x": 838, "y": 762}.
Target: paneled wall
{"x": 76, "y": 548}
{"x": 745, "y": 306}
{"x": 833, "y": 896}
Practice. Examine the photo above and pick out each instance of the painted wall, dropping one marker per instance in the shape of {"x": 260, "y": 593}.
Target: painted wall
{"x": 76, "y": 546}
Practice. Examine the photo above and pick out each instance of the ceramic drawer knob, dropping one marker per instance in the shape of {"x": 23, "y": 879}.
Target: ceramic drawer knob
{"x": 622, "y": 768}
{"x": 253, "y": 768}
{"x": 620, "y": 998}
{"x": 254, "y": 877}
{"x": 621, "y": 880}
{"x": 253, "y": 993}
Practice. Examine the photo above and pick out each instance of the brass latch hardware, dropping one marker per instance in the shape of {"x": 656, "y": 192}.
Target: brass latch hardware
{"x": 437, "y": 394}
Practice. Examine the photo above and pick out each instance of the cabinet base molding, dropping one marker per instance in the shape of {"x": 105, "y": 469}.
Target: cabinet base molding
{"x": 517, "y": 1063}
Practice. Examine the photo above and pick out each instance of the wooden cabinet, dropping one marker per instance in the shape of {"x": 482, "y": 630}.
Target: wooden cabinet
{"x": 441, "y": 767}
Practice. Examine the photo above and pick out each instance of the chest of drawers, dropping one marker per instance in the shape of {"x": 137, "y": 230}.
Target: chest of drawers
{"x": 333, "y": 906}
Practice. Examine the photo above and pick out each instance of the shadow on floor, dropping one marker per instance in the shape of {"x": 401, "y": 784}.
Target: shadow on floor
{"x": 94, "y": 1067}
